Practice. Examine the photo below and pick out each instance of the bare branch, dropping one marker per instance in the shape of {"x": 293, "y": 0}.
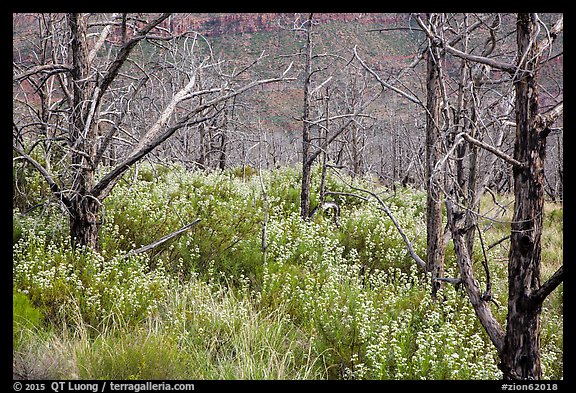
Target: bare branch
{"x": 551, "y": 37}
{"x": 467, "y": 56}
{"x": 546, "y": 289}
{"x": 451, "y": 280}
{"x": 498, "y": 242}
{"x": 102, "y": 38}
{"x": 160, "y": 131}
{"x": 387, "y": 85}
{"x": 394, "y": 29}
{"x": 339, "y": 131}
{"x": 481, "y": 305}
{"x": 251, "y": 64}
{"x": 344, "y": 193}
{"x": 510, "y": 68}
{"x": 44, "y": 68}
{"x": 123, "y": 53}
{"x": 382, "y": 206}
{"x": 493, "y": 150}
{"x": 543, "y": 121}
{"x": 51, "y": 183}
{"x": 161, "y": 240}
{"x": 116, "y": 125}
{"x": 488, "y": 292}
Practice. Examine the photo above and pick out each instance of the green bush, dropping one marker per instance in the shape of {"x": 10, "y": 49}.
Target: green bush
{"x": 380, "y": 324}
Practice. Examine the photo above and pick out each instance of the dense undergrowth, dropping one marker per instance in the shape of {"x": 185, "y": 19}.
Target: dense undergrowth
{"x": 323, "y": 301}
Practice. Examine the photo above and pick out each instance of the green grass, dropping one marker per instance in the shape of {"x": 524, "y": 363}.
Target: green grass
{"x": 327, "y": 302}
{"x": 27, "y": 320}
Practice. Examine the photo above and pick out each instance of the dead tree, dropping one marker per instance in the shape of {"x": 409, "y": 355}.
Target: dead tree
{"x": 434, "y": 134}
{"x": 518, "y": 345}
{"x": 86, "y": 81}
{"x": 521, "y": 351}
{"x": 313, "y": 144}
{"x": 306, "y": 134}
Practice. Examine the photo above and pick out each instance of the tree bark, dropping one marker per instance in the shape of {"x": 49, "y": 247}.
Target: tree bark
{"x": 456, "y": 220}
{"x": 84, "y": 84}
{"x": 306, "y": 137}
{"x": 228, "y": 115}
{"x": 84, "y": 223}
{"x": 82, "y": 135}
{"x": 521, "y": 353}
{"x": 434, "y": 197}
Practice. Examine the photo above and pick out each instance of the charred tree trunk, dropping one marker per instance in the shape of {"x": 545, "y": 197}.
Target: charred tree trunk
{"x": 396, "y": 165}
{"x": 306, "y": 137}
{"x": 324, "y": 154}
{"x": 355, "y": 151}
{"x": 83, "y": 208}
{"x": 464, "y": 179}
{"x": 223, "y": 142}
{"x": 559, "y": 185}
{"x": 522, "y": 344}
{"x": 434, "y": 199}
{"x": 521, "y": 353}
{"x": 202, "y": 145}
{"x": 519, "y": 346}
{"x": 84, "y": 222}
{"x": 86, "y": 87}
{"x": 480, "y": 301}
{"x": 228, "y": 118}
{"x": 305, "y": 193}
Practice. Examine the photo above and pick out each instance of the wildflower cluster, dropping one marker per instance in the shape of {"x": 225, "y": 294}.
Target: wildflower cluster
{"x": 71, "y": 283}
{"x": 378, "y": 324}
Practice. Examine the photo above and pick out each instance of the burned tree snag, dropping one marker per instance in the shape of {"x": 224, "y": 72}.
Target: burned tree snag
{"x": 521, "y": 352}
{"x": 89, "y": 82}
{"x": 306, "y": 137}
{"x": 519, "y": 345}
{"x": 434, "y": 197}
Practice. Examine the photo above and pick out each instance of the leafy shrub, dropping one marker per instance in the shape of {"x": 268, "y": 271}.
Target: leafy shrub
{"x": 144, "y": 211}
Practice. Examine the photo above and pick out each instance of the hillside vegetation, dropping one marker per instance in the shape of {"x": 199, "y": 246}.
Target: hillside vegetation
{"x": 323, "y": 301}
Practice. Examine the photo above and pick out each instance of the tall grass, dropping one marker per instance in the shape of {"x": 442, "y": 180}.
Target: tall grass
{"x": 200, "y": 331}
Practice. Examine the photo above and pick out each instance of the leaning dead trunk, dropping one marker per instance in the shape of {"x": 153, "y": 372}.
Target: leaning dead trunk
{"x": 519, "y": 346}
{"x": 480, "y": 301}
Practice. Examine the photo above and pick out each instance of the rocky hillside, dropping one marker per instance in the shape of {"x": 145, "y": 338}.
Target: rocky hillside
{"x": 238, "y": 23}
